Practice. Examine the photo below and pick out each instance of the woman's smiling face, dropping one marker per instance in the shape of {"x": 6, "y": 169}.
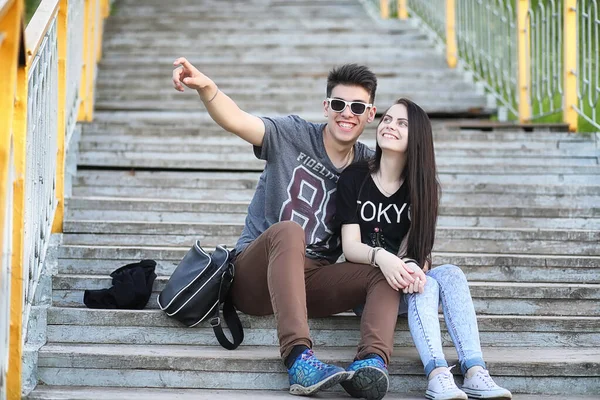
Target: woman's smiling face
{"x": 392, "y": 131}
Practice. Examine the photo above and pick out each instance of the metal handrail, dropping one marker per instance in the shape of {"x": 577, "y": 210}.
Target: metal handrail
{"x": 38, "y": 111}
{"x": 538, "y": 61}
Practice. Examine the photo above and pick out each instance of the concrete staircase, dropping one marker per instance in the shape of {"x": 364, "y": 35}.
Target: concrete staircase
{"x": 520, "y": 210}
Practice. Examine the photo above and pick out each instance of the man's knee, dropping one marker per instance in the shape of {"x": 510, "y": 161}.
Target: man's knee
{"x": 288, "y": 230}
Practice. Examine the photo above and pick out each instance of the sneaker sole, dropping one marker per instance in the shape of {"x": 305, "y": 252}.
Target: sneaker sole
{"x": 499, "y": 395}
{"x": 330, "y": 381}
{"x": 367, "y": 383}
{"x": 437, "y": 396}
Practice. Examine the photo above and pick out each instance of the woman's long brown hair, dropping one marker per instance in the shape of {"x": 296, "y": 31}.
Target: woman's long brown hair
{"x": 420, "y": 174}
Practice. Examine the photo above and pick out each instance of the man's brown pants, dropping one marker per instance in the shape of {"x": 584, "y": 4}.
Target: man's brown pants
{"x": 273, "y": 276}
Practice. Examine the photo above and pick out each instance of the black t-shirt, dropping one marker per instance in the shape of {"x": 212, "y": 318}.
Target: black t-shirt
{"x": 383, "y": 221}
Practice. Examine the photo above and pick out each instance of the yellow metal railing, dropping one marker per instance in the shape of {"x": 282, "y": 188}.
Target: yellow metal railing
{"x": 540, "y": 58}
{"x": 47, "y": 74}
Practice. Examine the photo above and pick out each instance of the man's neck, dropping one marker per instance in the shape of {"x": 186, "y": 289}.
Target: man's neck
{"x": 340, "y": 154}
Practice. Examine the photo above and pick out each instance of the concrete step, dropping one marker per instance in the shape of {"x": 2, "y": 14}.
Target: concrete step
{"x": 493, "y": 298}
{"x": 454, "y": 239}
{"x": 244, "y": 159}
{"x": 382, "y": 48}
{"x": 167, "y": 24}
{"x": 414, "y": 59}
{"x": 541, "y": 222}
{"x": 82, "y": 325}
{"x": 141, "y": 209}
{"x": 302, "y": 86}
{"x": 128, "y": 181}
{"x": 264, "y": 40}
{"x": 269, "y": 106}
{"x": 197, "y": 157}
{"x": 552, "y": 369}
{"x": 129, "y": 139}
{"x": 43, "y": 392}
{"x": 117, "y": 136}
{"x": 460, "y": 196}
{"x": 247, "y": 161}
{"x": 455, "y": 130}
{"x": 276, "y": 70}
{"x": 217, "y": 145}
{"x": 102, "y": 260}
{"x": 235, "y": 212}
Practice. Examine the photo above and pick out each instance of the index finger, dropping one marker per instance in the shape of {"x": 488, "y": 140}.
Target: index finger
{"x": 182, "y": 61}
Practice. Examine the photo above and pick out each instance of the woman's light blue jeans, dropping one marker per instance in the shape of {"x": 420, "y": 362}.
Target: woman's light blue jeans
{"x": 446, "y": 284}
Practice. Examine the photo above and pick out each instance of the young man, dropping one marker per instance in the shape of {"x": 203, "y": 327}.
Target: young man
{"x": 285, "y": 263}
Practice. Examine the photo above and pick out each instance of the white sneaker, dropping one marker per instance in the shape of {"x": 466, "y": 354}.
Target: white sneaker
{"x": 442, "y": 387}
{"x": 482, "y": 386}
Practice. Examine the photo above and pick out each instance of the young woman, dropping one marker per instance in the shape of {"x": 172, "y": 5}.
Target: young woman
{"x": 387, "y": 208}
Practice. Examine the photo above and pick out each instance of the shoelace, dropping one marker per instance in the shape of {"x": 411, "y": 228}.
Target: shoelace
{"x": 487, "y": 379}
{"x": 445, "y": 379}
{"x": 310, "y": 358}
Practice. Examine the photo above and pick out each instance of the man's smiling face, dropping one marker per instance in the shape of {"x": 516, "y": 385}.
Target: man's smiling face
{"x": 345, "y": 127}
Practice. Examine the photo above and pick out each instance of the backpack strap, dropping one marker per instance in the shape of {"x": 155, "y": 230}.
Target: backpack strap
{"x": 231, "y": 317}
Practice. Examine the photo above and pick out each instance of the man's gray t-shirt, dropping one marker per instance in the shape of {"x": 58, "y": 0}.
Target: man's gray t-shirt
{"x": 297, "y": 184}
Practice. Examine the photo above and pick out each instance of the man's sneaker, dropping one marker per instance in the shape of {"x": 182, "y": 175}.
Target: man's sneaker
{"x": 482, "y": 386}
{"x": 308, "y": 375}
{"x": 442, "y": 387}
{"x": 369, "y": 379}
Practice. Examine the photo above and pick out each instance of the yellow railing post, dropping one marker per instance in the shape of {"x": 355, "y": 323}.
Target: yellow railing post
{"x": 570, "y": 64}
{"x": 63, "y": 9}
{"x": 524, "y": 60}
{"x": 384, "y": 8}
{"x": 99, "y": 25}
{"x": 402, "y": 9}
{"x": 451, "y": 52}
{"x": 12, "y": 68}
{"x": 105, "y": 8}
{"x": 16, "y": 289}
{"x": 86, "y": 88}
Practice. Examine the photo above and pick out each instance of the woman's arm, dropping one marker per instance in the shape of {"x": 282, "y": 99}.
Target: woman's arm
{"x": 395, "y": 271}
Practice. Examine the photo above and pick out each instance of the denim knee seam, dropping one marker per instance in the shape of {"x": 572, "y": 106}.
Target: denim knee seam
{"x": 450, "y": 325}
{"x": 435, "y": 362}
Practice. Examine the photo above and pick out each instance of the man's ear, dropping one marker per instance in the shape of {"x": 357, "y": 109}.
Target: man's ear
{"x": 372, "y": 113}
{"x": 325, "y": 108}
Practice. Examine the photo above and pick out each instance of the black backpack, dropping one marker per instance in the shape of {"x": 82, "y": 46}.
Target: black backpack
{"x": 197, "y": 288}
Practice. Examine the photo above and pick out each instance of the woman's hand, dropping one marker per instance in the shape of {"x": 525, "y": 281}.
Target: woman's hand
{"x": 397, "y": 274}
{"x": 418, "y": 286}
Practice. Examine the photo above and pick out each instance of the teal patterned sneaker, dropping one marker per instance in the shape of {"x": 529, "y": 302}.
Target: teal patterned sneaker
{"x": 370, "y": 379}
{"x": 482, "y": 386}
{"x": 308, "y": 375}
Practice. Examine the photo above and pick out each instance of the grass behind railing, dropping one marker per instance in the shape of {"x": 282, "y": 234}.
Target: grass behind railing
{"x": 30, "y": 7}
{"x": 538, "y": 106}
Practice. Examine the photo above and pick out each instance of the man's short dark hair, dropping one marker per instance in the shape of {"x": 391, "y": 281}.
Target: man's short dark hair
{"x": 352, "y": 75}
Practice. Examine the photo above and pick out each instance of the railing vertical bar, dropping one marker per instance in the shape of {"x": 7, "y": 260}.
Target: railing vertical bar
{"x": 524, "y": 56}
{"x": 63, "y": 17}
{"x": 570, "y": 63}
{"x": 451, "y": 52}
